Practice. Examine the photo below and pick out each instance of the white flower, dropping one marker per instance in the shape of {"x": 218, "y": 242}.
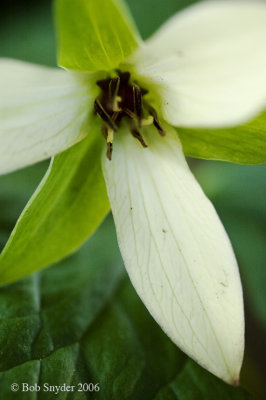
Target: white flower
{"x": 206, "y": 67}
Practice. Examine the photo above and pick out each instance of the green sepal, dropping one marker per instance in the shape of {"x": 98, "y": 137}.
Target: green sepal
{"x": 245, "y": 144}
{"x": 94, "y": 35}
{"x": 66, "y": 208}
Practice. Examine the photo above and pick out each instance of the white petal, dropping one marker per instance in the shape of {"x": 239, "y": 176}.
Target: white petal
{"x": 176, "y": 251}
{"x": 43, "y": 111}
{"x": 210, "y": 63}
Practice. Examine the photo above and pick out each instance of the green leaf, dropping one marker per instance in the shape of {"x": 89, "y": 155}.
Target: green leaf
{"x": 34, "y": 26}
{"x": 82, "y": 322}
{"x": 245, "y": 144}
{"x": 192, "y": 383}
{"x": 66, "y": 208}
{"x": 15, "y": 190}
{"x": 239, "y": 194}
{"x": 94, "y": 35}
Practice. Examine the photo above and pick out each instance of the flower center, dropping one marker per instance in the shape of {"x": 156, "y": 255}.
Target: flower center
{"x": 121, "y": 99}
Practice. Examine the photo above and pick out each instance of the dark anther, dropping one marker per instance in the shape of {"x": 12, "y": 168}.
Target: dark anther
{"x": 103, "y": 113}
{"x": 119, "y": 98}
{"x": 109, "y": 150}
{"x": 137, "y": 101}
{"x": 135, "y": 133}
{"x": 130, "y": 114}
{"x": 113, "y": 92}
{"x": 144, "y": 91}
{"x": 124, "y": 76}
{"x": 156, "y": 121}
{"x": 103, "y": 84}
{"x": 115, "y": 116}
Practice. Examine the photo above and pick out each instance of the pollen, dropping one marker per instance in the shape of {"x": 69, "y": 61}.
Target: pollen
{"x": 122, "y": 99}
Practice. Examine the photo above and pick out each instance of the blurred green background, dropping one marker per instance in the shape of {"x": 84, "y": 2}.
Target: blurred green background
{"x": 238, "y": 193}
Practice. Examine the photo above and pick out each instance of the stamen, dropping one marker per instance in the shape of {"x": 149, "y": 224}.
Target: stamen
{"x": 99, "y": 109}
{"x": 124, "y": 77}
{"x": 137, "y": 101}
{"x": 156, "y": 121}
{"x": 136, "y": 134}
{"x": 115, "y": 116}
{"x": 113, "y": 91}
{"x": 120, "y": 98}
{"x": 158, "y": 126}
{"x": 110, "y": 138}
{"x": 109, "y": 151}
{"x": 103, "y": 84}
{"x": 130, "y": 114}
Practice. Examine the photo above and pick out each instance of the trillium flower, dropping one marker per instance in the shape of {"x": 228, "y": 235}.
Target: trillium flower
{"x": 204, "y": 68}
